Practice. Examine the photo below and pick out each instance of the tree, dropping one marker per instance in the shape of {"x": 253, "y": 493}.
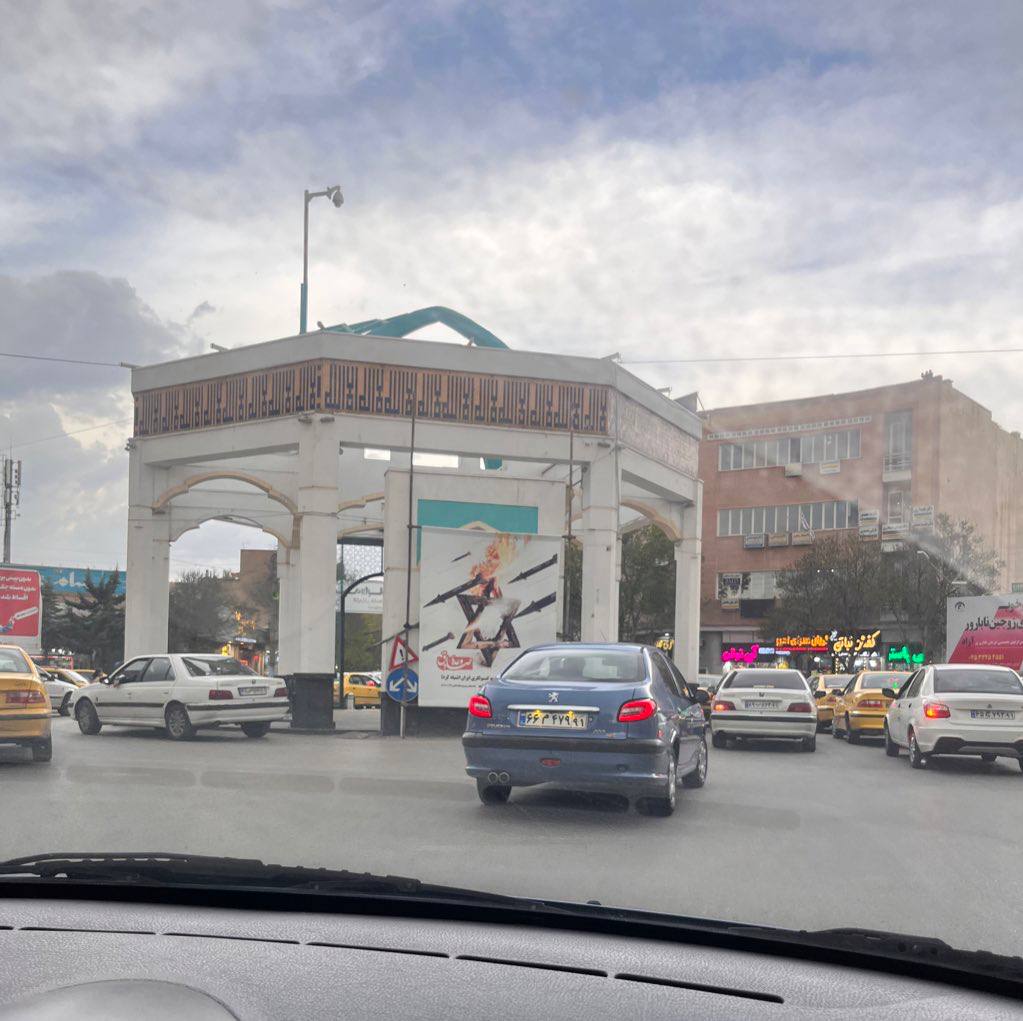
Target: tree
{"x": 646, "y": 596}
{"x": 847, "y": 584}
{"x": 200, "y": 619}
{"x": 920, "y": 578}
{"x": 835, "y": 584}
{"x": 95, "y": 621}
{"x": 57, "y": 624}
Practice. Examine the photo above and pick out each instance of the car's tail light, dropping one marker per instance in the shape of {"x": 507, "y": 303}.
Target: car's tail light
{"x": 937, "y": 711}
{"x": 636, "y": 710}
{"x": 218, "y": 694}
{"x": 871, "y": 703}
{"x": 280, "y": 692}
{"x": 479, "y": 706}
{"x": 723, "y": 707}
{"x": 799, "y": 707}
{"x": 26, "y": 696}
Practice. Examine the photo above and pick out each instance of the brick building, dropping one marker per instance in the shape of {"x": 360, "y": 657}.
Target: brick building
{"x": 879, "y": 462}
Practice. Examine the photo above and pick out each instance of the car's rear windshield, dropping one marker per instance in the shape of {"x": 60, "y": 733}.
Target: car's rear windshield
{"x": 578, "y": 665}
{"x": 829, "y": 681}
{"x": 215, "y": 666}
{"x": 785, "y": 680}
{"x": 870, "y": 679}
{"x": 14, "y": 661}
{"x": 980, "y": 682}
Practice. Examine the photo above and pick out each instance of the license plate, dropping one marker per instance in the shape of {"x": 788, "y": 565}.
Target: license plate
{"x": 542, "y": 718}
{"x": 762, "y": 703}
{"x": 252, "y": 691}
{"x": 992, "y": 714}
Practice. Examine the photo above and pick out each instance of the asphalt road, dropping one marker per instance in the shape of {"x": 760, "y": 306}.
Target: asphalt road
{"x": 842, "y": 837}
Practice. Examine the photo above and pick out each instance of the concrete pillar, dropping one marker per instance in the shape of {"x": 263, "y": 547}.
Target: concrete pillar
{"x": 147, "y": 600}
{"x": 288, "y": 602}
{"x": 600, "y": 540}
{"x": 316, "y": 577}
{"x": 687, "y": 590}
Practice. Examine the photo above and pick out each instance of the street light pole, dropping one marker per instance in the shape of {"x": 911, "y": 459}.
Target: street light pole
{"x": 335, "y": 196}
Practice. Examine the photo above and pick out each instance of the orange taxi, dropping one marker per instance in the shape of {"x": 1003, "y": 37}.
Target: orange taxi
{"x": 831, "y": 685}
{"x": 861, "y": 708}
{"x": 24, "y": 704}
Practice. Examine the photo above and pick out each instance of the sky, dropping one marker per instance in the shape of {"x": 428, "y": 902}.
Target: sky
{"x": 661, "y": 179}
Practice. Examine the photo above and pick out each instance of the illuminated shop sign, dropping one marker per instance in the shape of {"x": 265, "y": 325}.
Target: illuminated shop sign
{"x": 837, "y": 643}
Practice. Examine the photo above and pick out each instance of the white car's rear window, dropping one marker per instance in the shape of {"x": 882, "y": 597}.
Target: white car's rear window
{"x": 980, "y": 682}
{"x": 215, "y": 666}
{"x": 783, "y": 680}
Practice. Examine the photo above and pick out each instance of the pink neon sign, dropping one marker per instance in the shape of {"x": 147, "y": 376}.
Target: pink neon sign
{"x": 735, "y": 655}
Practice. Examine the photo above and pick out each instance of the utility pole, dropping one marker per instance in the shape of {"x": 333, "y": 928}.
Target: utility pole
{"x": 11, "y": 499}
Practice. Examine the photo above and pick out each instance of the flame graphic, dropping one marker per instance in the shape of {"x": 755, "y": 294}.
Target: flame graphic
{"x": 498, "y": 553}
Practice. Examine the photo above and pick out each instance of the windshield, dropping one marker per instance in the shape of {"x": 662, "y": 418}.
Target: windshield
{"x": 980, "y": 682}
{"x": 876, "y": 681}
{"x": 785, "y": 680}
{"x": 221, "y": 666}
{"x": 541, "y": 360}
{"x": 14, "y": 661}
{"x": 577, "y": 665}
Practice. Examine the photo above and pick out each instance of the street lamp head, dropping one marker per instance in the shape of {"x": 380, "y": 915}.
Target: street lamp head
{"x": 335, "y": 195}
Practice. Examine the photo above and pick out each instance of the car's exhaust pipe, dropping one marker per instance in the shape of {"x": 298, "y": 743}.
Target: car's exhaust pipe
{"x": 492, "y": 776}
{"x": 503, "y": 777}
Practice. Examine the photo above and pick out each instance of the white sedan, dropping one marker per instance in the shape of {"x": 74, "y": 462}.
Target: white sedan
{"x": 957, "y": 709}
{"x": 764, "y": 703}
{"x": 179, "y": 693}
{"x": 58, "y": 688}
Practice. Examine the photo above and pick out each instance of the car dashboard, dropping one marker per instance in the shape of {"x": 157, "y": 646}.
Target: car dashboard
{"x": 113, "y": 960}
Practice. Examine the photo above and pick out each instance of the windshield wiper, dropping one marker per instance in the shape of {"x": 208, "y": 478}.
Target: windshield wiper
{"x": 171, "y": 869}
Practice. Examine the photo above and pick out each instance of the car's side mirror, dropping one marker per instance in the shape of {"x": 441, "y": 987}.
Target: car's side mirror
{"x": 702, "y": 696}
{"x": 820, "y": 694}
{"x": 837, "y": 692}
{"x": 889, "y": 693}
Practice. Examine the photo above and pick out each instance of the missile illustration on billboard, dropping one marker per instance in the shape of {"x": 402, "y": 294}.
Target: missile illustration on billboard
{"x": 439, "y": 641}
{"x": 455, "y": 560}
{"x": 476, "y": 579}
{"x": 537, "y": 605}
{"x": 535, "y": 570}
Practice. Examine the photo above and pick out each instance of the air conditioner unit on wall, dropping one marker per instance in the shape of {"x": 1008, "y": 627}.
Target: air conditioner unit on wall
{"x": 793, "y": 471}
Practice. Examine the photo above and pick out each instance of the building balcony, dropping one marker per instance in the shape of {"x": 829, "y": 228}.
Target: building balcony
{"x": 897, "y": 467}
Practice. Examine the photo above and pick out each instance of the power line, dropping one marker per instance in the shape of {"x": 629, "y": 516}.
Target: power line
{"x": 822, "y": 357}
{"x": 72, "y": 432}
{"x": 67, "y": 361}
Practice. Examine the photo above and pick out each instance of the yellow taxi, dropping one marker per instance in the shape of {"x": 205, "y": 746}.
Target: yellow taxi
{"x": 861, "y": 708}
{"x": 363, "y": 687}
{"x": 24, "y": 704}
{"x": 831, "y": 685}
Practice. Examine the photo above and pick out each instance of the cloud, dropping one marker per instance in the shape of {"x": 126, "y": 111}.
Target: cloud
{"x": 81, "y": 316}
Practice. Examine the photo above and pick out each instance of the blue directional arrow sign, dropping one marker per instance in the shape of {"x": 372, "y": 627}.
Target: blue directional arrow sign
{"x": 402, "y": 684}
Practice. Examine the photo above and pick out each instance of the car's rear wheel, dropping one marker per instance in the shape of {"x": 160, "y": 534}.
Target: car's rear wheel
{"x": 65, "y": 704}
{"x": 179, "y": 726}
{"x": 851, "y": 736}
{"x": 42, "y": 751}
{"x": 492, "y": 794}
{"x": 256, "y": 729}
{"x": 87, "y": 717}
{"x": 663, "y": 805}
{"x": 917, "y": 759}
{"x": 698, "y": 777}
{"x": 810, "y": 744}
{"x": 718, "y": 740}
{"x": 891, "y": 749}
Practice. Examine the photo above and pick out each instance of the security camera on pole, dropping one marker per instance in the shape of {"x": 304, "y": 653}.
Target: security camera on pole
{"x": 334, "y": 194}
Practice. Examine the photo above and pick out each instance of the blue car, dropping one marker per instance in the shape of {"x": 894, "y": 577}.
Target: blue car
{"x": 615, "y": 718}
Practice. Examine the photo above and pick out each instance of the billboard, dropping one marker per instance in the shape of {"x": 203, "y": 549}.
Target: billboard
{"x": 21, "y": 608}
{"x": 70, "y": 581}
{"x": 985, "y": 629}
{"x": 485, "y": 597}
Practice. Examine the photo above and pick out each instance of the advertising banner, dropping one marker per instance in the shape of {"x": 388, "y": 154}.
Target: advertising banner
{"x": 21, "y": 609}
{"x": 485, "y": 597}
{"x": 985, "y": 629}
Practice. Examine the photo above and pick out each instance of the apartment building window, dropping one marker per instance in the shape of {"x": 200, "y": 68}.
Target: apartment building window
{"x": 747, "y": 585}
{"x": 898, "y": 452}
{"x": 839, "y": 445}
{"x": 793, "y": 517}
